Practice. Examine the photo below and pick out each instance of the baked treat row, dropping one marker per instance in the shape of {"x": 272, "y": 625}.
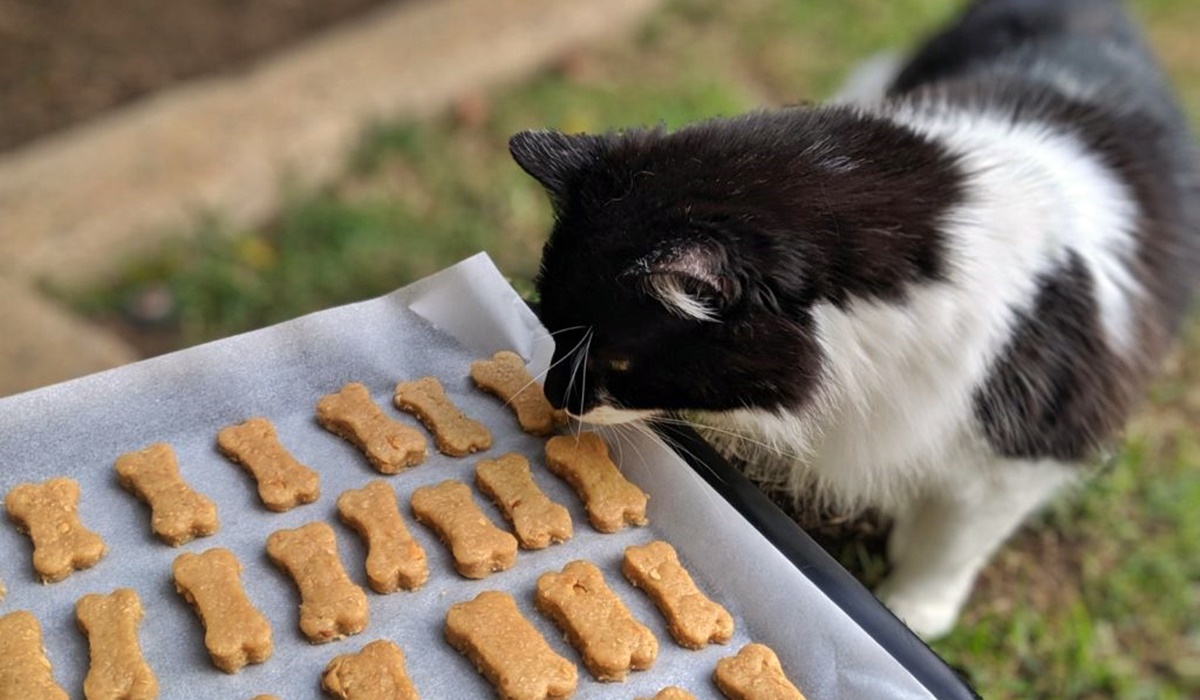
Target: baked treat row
{"x": 48, "y": 512}
{"x": 489, "y": 629}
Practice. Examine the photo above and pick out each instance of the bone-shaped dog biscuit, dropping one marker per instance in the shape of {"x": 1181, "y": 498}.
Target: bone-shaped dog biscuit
{"x": 350, "y": 414}
{"x": 235, "y": 633}
{"x": 283, "y": 482}
{"x": 178, "y": 513}
{"x": 671, "y": 692}
{"x": 537, "y": 520}
{"x": 505, "y": 377}
{"x": 118, "y": 671}
{"x": 754, "y": 674}
{"x": 375, "y": 673}
{"x": 453, "y": 433}
{"x": 331, "y": 605}
{"x": 611, "y": 501}
{"x": 595, "y": 621}
{"x": 48, "y": 513}
{"x": 478, "y": 547}
{"x": 25, "y": 672}
{"x": 394, "y": 559}
{"x": 508, "y": 650}
{"x": 692, "y": 618}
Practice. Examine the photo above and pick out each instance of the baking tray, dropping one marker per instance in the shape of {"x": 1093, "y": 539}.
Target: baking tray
{"x": 834, "y": 640}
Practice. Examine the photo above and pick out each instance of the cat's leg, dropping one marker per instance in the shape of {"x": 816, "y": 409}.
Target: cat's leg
{"x": 941, "y": 542}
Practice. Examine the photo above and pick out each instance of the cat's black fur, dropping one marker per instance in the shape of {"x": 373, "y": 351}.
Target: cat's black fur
{"x": 938, "y": 302}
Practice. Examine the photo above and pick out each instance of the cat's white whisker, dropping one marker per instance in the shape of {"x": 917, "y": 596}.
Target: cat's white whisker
{"x": 540, "y": 376}
{"x": 549, "y": 334}
{"x": 670, "y": 444}
{"x": 583, "y": 367}
{"x": 620, "y": 447}
{"x": 578, "y": 356}
{"x": 770, "y": 446}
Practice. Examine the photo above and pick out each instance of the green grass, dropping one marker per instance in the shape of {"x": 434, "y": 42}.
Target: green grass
{"x": 1097, "y": 599}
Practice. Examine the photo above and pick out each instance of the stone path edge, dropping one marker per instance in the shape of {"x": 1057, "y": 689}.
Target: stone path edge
{"x": 77, "y": 203}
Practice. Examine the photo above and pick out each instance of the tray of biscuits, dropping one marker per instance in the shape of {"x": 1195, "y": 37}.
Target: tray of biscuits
{"x": 375, "y": 501}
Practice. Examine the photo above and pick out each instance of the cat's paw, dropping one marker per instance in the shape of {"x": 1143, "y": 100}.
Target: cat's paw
{"x": 929, "y": 614}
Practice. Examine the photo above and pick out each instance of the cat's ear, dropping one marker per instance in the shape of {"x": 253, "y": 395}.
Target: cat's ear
{"x": 691, "y": 280}
{"x": 553, "y": 158}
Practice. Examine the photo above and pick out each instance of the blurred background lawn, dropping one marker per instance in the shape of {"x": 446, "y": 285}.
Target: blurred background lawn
{"x": 1100, "y": 598}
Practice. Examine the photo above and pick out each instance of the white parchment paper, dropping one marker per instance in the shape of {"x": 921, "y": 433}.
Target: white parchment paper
{"x": 435, "y": 326}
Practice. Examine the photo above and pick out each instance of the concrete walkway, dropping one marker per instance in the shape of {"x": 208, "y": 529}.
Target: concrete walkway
{"x": 74, "y": 205}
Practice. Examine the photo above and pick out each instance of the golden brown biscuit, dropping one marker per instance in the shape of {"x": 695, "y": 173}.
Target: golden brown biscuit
{"x": 611, "y": 501}
{"x": 25, "y": 672}
{"x": 479, "y": 548}
{"x": 692, "y": 618}
{"x": 508, "y": 650}
{"x": 595, "y": 621}
{"x": 264, "y": 697}
{"x": 235, "y": 632}
{"x": 352, "y": 415}
{"x": 671, "y": 692}
{"x": 394, "y": 559}
{"x": 283, "y": 482}
{"x": 49, "y": 513}
{"x": 754, "y": 674}
{"x": 453, "y": 433}
{"x": 505, "y": 377}
{"x": 178, "y": 514}
{"x": 538, "y": 521}
{"x": 331, "y": 605}
{"x": 375, "y": 673}
{"x": 118, "y": 671}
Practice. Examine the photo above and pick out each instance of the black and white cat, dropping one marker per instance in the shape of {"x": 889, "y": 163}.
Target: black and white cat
{"x": 941, "y": 302}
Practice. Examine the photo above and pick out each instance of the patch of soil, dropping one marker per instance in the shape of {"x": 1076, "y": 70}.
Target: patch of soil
{"x": 62, "y": 61}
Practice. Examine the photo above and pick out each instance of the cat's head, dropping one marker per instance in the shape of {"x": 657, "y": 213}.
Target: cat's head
{"x": 661, "y": 290}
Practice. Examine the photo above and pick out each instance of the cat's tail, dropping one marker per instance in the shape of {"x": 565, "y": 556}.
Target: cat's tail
{"x": 991, "y": 28}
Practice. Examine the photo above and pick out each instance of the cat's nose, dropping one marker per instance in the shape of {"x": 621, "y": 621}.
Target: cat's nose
{"x": 576, "y": 397}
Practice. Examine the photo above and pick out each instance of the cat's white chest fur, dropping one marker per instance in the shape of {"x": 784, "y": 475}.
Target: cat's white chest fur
{"x": 894, "y": 419}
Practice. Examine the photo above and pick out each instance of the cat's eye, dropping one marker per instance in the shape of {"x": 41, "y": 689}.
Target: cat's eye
{"x": 620, "y": 364}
